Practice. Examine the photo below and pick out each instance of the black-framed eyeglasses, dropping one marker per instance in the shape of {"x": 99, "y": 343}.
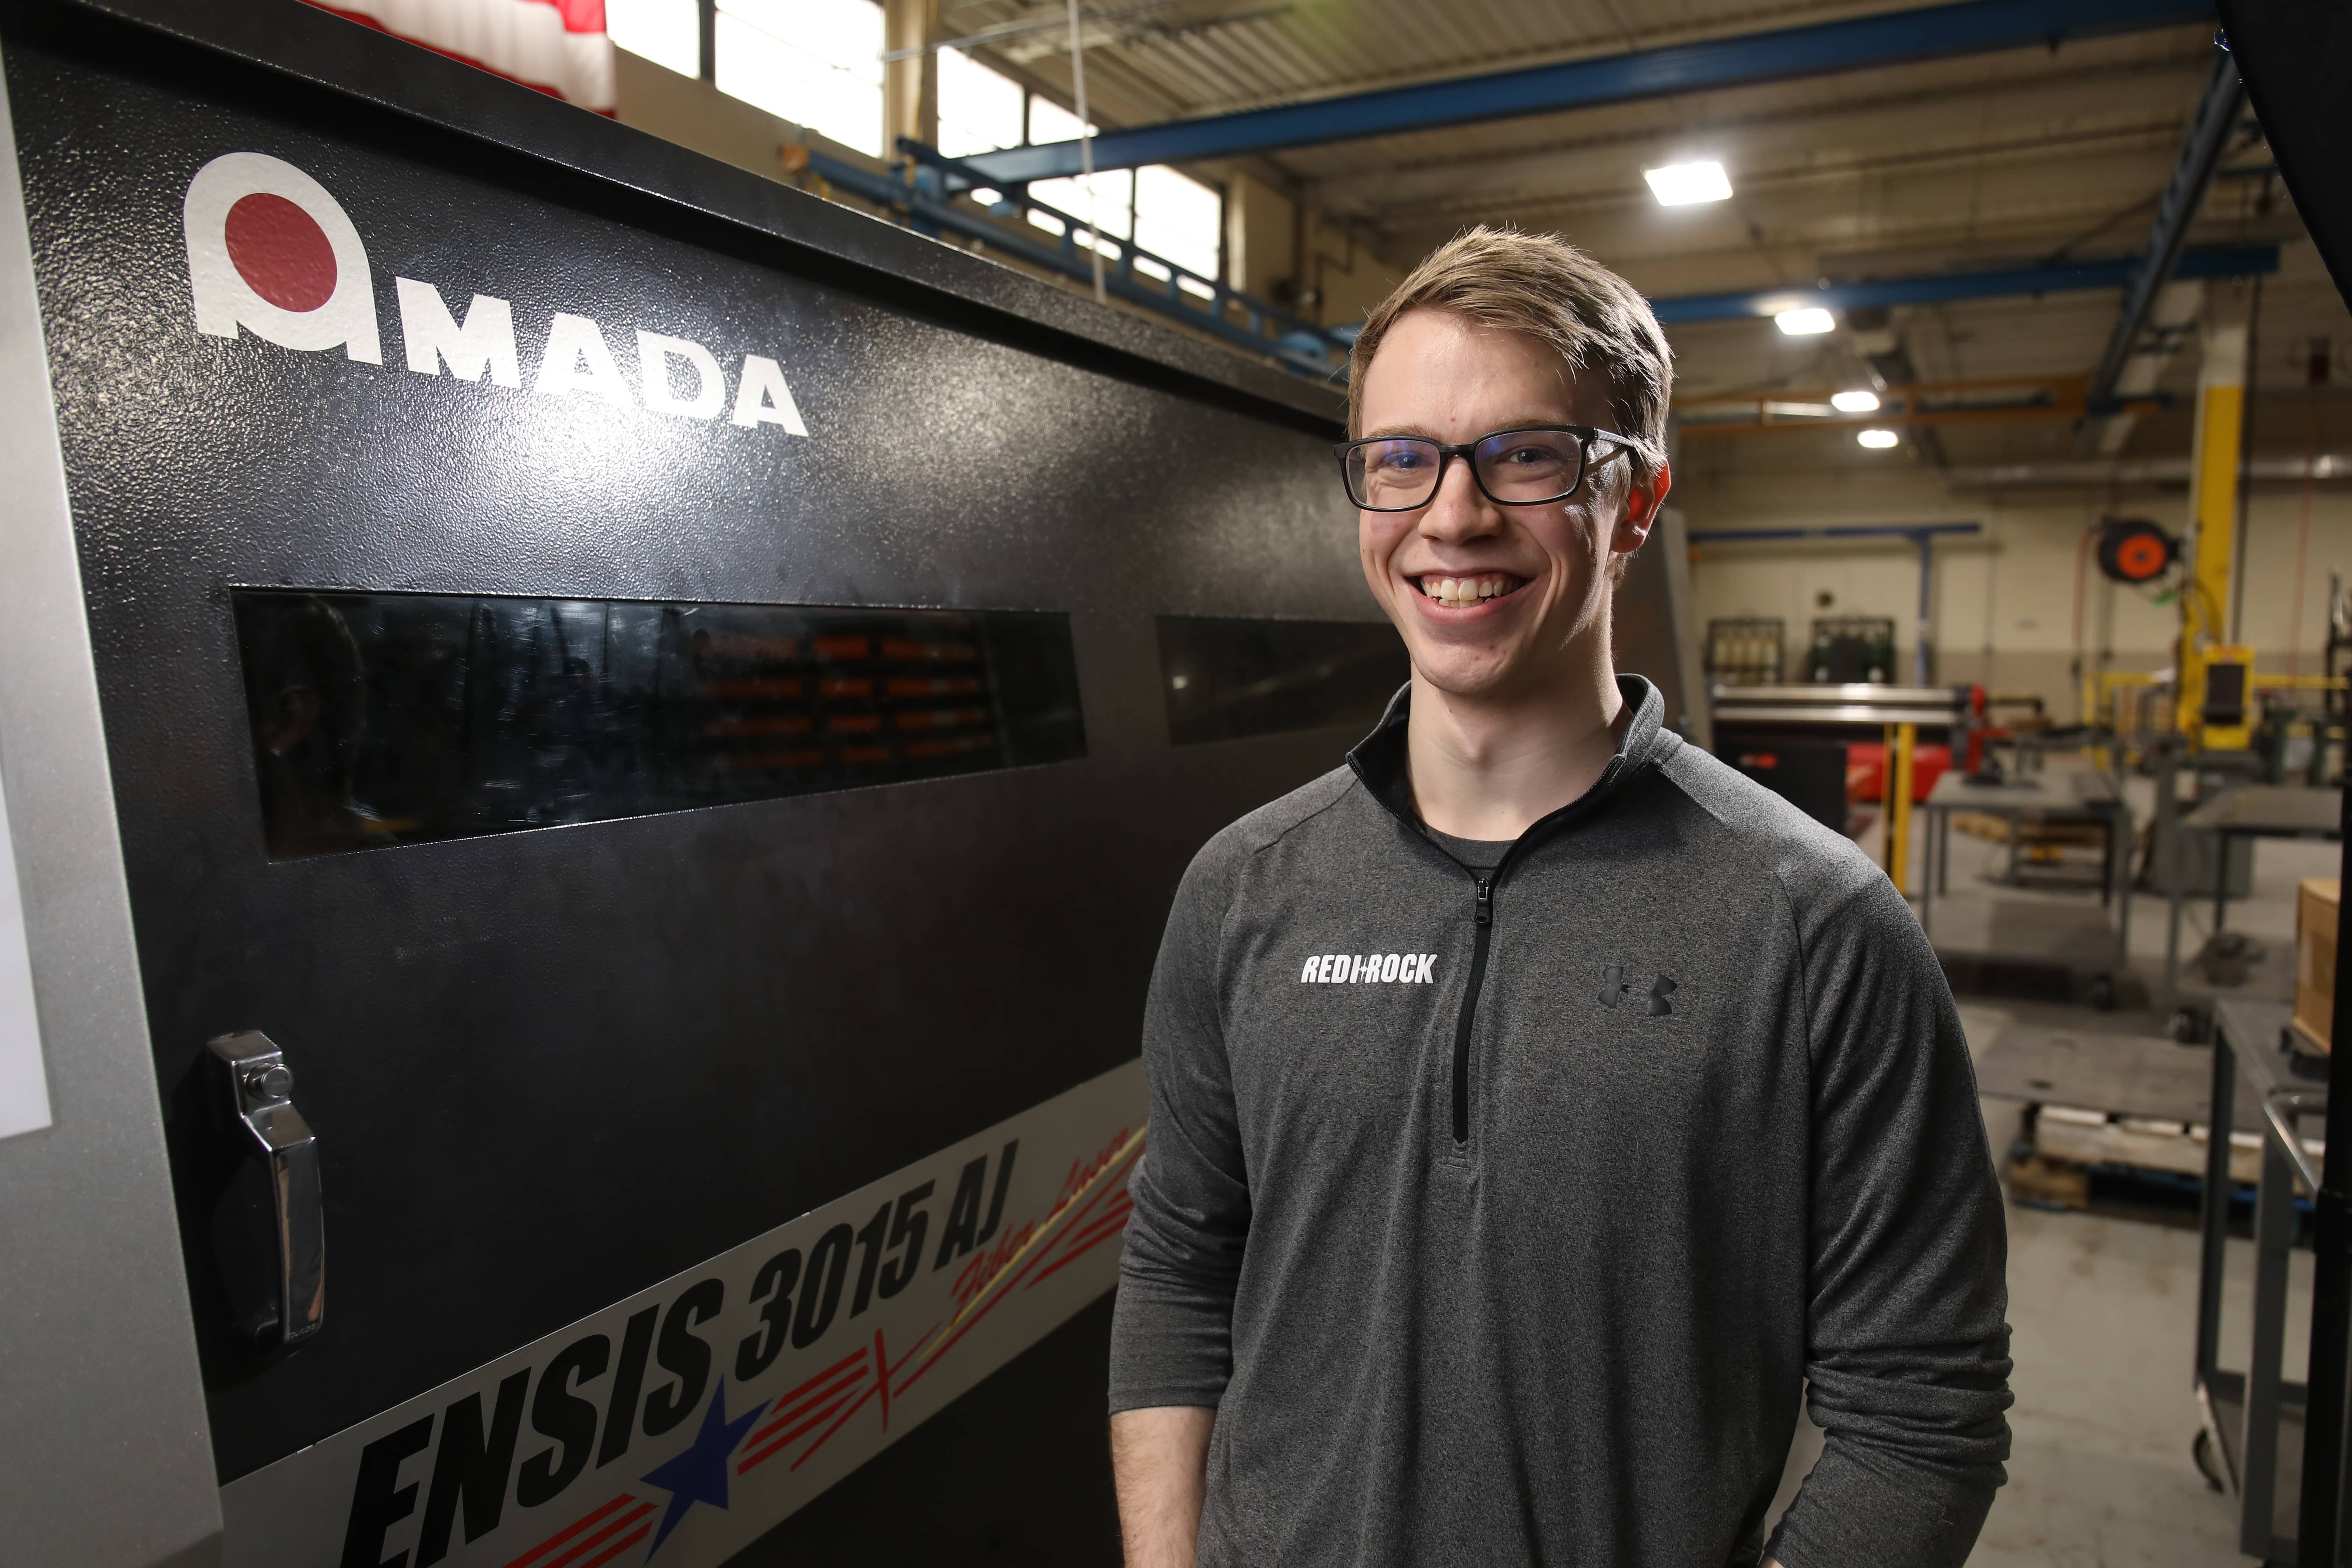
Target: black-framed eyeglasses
{"x": 1526, "y": 467}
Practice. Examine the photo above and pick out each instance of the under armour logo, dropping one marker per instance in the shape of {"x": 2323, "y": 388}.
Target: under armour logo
{"x": 1613, "y": 990}
{"x": 1659, "y": 1005}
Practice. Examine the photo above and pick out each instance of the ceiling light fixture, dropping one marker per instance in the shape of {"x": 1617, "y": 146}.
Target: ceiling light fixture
{"x": 1856, "y": 402}
{"x": 1679, "y": 184}
{"x": 1807, "y": 320}
{"x": 1877, "y": 440}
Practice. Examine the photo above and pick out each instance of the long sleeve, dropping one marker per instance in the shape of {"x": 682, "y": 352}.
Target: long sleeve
{"x": 1908, "y": 1354}
{"x": 1172, "y": 1336}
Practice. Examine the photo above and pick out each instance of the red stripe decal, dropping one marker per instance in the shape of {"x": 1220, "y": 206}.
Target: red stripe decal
{"x": 852, "y": 1358}
{"x": 620, "y": 1546}
{"x": 567, "y": 1531}
{"x": 588, "y": 1543}
{"x": 785, "y": 1417}
{"x": 882, "y": 1383}
{"x": 1080, "y": 1252}
{"x": 813, "y": 1447}
{"x": 1115, "y": 1215}
{"x": 996, "y": 1295}
{"x": 770, "y": 1451}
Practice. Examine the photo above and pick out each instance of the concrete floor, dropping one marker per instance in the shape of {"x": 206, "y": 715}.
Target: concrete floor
{"x": 2103, "y": 1310}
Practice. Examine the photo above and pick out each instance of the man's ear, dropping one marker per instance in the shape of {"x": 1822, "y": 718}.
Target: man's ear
{"x": 1643, "y": 496}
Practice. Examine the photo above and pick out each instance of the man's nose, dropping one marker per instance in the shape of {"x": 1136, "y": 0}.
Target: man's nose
{"x": 1460, "y": 510}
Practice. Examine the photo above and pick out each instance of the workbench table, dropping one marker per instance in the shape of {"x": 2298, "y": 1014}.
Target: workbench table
{"x": 2247, "y": 811}
{"x": 2074, "y": 795}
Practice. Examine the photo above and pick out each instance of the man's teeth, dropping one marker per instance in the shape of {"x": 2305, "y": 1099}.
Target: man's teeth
{"x": 1456, "y": 592}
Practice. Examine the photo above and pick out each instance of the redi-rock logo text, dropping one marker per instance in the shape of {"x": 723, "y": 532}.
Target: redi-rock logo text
{"x": 272, "y": 253}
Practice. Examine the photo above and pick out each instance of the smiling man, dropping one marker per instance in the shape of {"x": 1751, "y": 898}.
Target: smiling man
{"x": 1537, "y": 1106}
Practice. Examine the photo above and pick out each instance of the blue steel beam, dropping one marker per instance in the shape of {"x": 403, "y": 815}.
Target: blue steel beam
{"x": 2208, "y": 130}
{"x": 2220, "y": 261}
{"x": 1973, "y": 27}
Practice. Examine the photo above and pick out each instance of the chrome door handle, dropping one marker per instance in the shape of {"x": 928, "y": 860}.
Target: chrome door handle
{"x": 261, "y": 1088}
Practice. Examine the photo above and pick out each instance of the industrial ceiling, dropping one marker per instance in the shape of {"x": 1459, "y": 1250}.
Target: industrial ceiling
{"x": 1957, "y": 159}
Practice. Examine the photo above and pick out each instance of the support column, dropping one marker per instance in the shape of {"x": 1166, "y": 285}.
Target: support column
{"x": 2213, "y": 514}
{"x": 910, "y": 87}
{"x": 1924, "y": 628}
{"x": 1260, "y": 246}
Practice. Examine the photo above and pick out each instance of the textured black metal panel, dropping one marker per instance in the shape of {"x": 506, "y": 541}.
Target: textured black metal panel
{"x": 2293, "y": 55}
{"x": 549, "y": 1067}
{"x": 1226, "y": 677}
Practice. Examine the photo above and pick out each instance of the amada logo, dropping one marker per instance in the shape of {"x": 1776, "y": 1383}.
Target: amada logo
{"x": 271, "y": 252}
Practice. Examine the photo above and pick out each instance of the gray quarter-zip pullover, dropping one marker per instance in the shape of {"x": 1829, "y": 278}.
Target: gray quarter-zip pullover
{"x": 1502, "y": 1214}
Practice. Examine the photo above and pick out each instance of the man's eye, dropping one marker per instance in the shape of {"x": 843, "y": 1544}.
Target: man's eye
{"x": 1397, "y": 458}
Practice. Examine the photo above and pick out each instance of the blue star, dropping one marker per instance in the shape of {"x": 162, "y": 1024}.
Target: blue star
{"x": 699, "y": 1474}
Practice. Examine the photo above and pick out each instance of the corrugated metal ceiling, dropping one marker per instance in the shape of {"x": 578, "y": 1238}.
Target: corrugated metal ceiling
{"x": 1975, "y": 161}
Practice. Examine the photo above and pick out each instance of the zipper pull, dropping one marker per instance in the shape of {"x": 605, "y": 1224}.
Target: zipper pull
{"x": 1486, "y": 900}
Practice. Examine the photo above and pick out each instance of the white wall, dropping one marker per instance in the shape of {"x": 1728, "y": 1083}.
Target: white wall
{"x": 2003, "y": 602}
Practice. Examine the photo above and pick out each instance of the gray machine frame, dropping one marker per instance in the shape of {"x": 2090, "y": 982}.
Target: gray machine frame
{"x": 98, "y": 1357}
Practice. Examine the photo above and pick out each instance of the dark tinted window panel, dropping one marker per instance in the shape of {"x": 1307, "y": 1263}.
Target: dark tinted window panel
{"x": 1226, "y": 677}
{"x": 398, "y": 718}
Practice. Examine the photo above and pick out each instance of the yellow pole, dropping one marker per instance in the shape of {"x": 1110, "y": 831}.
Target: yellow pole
{"x": 1898, "y": 807}
{"x": 1887, "y": 799}
{"x": 2213, "y": 515}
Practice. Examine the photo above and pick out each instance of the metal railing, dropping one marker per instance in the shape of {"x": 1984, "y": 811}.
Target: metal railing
{"x": 925, "y": 189}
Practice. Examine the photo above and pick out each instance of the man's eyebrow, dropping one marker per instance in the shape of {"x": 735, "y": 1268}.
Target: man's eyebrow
{"x": 1533, "y": 422}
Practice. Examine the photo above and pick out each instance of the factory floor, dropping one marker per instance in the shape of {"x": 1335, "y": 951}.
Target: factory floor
{"x": 2103, "y": 1307}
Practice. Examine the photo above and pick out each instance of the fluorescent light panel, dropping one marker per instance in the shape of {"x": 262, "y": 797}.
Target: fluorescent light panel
{"x": 1878, "y": 439}
{"x": 1679, "y": 184}
{"x": 1856, "y": 402}
{"x": 1801, "y": 323}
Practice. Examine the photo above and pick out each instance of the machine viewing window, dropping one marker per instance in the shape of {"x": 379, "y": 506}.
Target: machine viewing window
{"x": 399, "y": 717}
{"x": 1225, "y": 678}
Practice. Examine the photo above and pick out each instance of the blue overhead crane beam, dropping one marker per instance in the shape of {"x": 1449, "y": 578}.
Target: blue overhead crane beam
{"x": 2209, "y": 131}
{"x": 1943, "y": 287}
{"x": 1896, "y": 37}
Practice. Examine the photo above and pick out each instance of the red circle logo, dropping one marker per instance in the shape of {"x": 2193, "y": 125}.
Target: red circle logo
{"x": 281, "y": 252}
{"x": 2140, "y": 556}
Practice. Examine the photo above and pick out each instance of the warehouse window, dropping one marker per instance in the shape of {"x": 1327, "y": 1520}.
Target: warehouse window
{"x": 667, "y": 32}
{"x": 979, "y": 110}
{"x": 1164, "y": 212}
{"x": 1049, "y": 121}
{"x": 817, "y": 63}
{"x": 1179, "y": 218}
{"x": 1112, "y": 209}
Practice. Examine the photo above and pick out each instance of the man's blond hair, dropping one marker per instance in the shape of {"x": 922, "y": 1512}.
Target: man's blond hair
{"x": 1541, "y": 284}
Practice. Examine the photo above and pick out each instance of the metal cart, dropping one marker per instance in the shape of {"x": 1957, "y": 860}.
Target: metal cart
{"x": 2251, "y": 1421}
{"x": 2074, "y": 797}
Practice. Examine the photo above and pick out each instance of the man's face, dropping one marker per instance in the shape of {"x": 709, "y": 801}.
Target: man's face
{"x": 1492, "y": 600}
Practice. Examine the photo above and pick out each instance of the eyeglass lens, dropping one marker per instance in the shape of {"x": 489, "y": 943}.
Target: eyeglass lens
{"x": 1513, "y": 466}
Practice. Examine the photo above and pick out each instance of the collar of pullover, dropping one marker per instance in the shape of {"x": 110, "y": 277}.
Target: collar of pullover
{"x": 1379, "y": 761}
